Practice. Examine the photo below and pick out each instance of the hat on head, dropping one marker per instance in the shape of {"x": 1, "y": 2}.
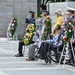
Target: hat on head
{"x": 32, "y": 12}
{"x": 70, "y": 9}
{"x": 59, "y": 11}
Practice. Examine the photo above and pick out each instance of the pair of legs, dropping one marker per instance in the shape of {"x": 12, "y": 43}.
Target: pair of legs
{"x": 73, "y": 46}
{"x": 43, "y": 50}
{"x": 45, "y": 47}
{"x": 73, "y": 56}
{"x": 31, "y": 50}
{"x": 31, "y": 53}
{"x": 72, "y": 62}
{"x": 20, "y": 49}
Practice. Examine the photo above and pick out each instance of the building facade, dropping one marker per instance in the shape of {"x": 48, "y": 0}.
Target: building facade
{"x": 20, "y": 9}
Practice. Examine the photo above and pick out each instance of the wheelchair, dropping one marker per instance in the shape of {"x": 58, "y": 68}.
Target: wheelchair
{"x": 53, "y": 55}
{"x": 37, "y": 56}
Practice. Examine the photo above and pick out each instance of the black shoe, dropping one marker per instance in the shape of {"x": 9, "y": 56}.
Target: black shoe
{"x": 19, "y": 55}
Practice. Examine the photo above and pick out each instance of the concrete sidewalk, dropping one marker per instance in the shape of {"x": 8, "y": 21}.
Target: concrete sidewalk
{"x": 10, "y": 65}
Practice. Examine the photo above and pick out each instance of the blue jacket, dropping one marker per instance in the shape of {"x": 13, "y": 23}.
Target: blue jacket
{"x": 54, "y": 40}
{"x": 30, "y": 20}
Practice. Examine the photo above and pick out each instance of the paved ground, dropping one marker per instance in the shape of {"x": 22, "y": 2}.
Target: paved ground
{"x": 10, "y": 65}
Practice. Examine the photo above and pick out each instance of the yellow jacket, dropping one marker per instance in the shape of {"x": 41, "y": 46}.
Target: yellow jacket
{"x": 59, "y": 21}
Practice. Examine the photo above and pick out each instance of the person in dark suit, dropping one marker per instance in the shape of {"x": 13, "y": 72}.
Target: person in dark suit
{"x": 30, "y": 19}
{"x": 71, "y": 15}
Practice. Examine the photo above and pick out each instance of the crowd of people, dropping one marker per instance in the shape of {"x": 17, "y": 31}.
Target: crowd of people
{"x": 55, "y": 33}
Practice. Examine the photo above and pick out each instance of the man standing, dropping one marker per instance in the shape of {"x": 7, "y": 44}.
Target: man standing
{"x": 59, "y": 20}
{"x": 29, "y": 20}
{"x": 71, "y": 15}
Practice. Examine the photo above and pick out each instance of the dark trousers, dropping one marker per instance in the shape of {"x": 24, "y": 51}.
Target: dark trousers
{"x": 20, "y": 47}
{"x": 72, "y": 53}
{"x": 72, "y": 57}
{"x": 43, "y": 49}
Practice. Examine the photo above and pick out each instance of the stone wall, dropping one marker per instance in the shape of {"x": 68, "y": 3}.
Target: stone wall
{"x": 20, "y": 9}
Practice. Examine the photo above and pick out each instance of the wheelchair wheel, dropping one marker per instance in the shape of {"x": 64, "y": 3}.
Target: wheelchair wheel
{"x": 52, "y": 56}
{"x": 55, "y": 57}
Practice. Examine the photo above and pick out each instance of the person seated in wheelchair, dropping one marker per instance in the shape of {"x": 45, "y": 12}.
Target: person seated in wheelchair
{"x": 49, "y": 43}
{"x": 32, "y": 47}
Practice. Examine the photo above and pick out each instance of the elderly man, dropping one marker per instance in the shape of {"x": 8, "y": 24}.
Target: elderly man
{"x": 70, "y": 13}
{"x": 45, "y": 45}
{"x": 32, "y": 47}
{"x": 59, "y": 20}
